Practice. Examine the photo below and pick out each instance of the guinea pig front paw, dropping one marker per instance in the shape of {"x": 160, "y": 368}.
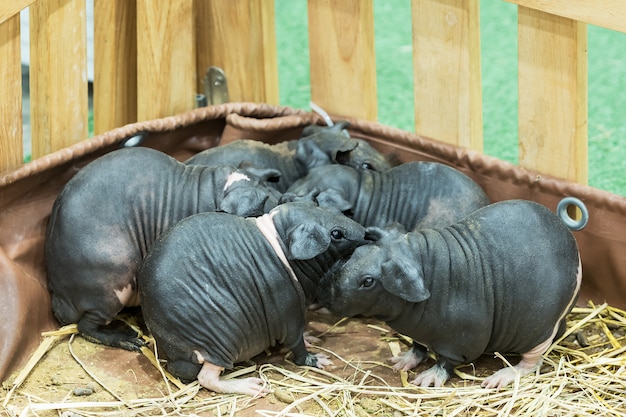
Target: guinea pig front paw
{"x": 323, "y": 360}
{"x": 435, "y": 377}
{"x": 319, "y": 360}
{"x": 406, "y": 361}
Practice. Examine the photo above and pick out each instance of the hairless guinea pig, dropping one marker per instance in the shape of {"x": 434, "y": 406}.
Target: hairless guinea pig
{"x": 107, "y": 216}
{"x": 318, "y": 145}
{"x": 218, "y": 289}
{"x": 415, "y": 195}
{"x": 503, "y": 279}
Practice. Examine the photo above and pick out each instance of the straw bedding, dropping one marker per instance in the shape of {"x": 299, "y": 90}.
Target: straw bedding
{"x": 584, "y": 373}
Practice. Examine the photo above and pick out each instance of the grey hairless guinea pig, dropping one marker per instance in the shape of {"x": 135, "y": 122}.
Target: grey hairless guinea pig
{"x": 318, "y": 145}
{"x": 107, "y": 216}
{"x": 218, "y": 289}
{"x": 501, "y": 280}
{"x": 415, "y": 194}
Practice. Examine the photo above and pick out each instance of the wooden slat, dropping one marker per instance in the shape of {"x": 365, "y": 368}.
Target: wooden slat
{"x": 9, "y": 8}
{"x": 610, "y": 14}
{"x": 166, "y": 58}
{"x": 239, "y": 37}
{"x": 343, "y": 57}
{"x": 11, "y": 149}
{"x": 58, "y": 74}
{"x": 115, "y": 64}
{"x": 553, "y": 94}
{"x": 446, "y": 63}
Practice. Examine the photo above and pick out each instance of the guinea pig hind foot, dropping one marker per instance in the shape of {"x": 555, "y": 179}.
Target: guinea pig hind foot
{"x": 505, "y": 376}
{"x": 531, "y": 360}
{"x": 410, "y": 359}
{"x": 209, "y": 378}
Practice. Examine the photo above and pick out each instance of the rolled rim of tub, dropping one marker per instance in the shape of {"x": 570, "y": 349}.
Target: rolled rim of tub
{"x": 27, "y": 195}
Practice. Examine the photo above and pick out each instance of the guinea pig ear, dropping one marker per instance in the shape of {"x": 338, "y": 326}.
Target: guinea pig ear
{"x": 317, "y": 150}
{"x": 391, "y": 232}
{"x": 306, "y": 241}
{"x": 342, "y": 148}
{"x": 244, "y": 201}
{"x": 333, "y": 198}
{"x": 374, "y": 233}
{"x": 310, "y": 197}
{"x": 263, "y": 174}
{"x": 403, "y": 278}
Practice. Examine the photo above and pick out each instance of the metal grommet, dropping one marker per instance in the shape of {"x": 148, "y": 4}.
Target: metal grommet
{"x": 134, "y": 140}
{"x": 573, "y": 224}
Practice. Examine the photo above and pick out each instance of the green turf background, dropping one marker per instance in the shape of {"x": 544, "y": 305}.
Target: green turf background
{"x": 607, "y": 80}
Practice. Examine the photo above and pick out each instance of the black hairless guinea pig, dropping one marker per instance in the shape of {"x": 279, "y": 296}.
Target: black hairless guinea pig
{"x": 107, "y": 216}
{"x": 318, "y": 145}
{"x": 501, "y": 280}
{"x": 415, "y": 195}
{"x": 218, "y": 289}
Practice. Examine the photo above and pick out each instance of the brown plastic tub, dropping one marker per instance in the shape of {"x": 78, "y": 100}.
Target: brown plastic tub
{"x": 27, "y": 194}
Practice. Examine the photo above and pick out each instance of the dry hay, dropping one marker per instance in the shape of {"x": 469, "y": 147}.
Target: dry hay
{"x": 573, "y": 380}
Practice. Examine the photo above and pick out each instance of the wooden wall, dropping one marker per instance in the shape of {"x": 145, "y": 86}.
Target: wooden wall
{"x": 151, "y": 55}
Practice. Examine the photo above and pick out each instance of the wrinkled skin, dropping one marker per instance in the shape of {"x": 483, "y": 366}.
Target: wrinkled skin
{"x": 317, "y": 146}
{"x": 215, "y": 292}
{"x": 415, "y": 195}
{"x": 107, "y": 216}
{"x": 501, "y": 280}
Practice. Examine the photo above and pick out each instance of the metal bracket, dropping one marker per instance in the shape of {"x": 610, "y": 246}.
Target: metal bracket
{"x": 215, "y": 88}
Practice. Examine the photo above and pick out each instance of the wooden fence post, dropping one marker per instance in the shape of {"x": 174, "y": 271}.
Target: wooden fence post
{"x": 166, "y": 58}
{"x": 605, "y": 13}
{"x": 446, "y": 63}
{"x": 115, "y": 64}
{"x": 553, "y": 94}
{"x": 343, "y": 57}
{"x": 58, "y": 74}
{"x": 239, "y": 37}
{"x": 11, "y": 153}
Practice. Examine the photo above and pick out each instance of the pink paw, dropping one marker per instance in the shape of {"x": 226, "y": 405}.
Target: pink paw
{"x": 323, "y": 360}
{"x": 209, "y": 378}
{"x": 435, "y": 376}
{"x": 405, "y": 362}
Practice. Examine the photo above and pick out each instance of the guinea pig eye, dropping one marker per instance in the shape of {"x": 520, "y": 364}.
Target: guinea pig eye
{"x": 337, "y": 234}
{"x": 367, "y": 165}
{"x": 367, "y": 282}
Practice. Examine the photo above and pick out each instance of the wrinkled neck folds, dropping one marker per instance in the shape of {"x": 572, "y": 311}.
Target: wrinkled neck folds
{"x": 265, "y": 224}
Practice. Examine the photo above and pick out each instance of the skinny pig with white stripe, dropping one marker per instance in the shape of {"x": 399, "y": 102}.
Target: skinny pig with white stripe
{"x": 107, "y": 216}
{"x": 218, "y": 289}
{"x": 501, "y": 280}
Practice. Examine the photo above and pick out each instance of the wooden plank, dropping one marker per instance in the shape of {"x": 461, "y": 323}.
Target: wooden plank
{"x": 610, "y": 14}
{"x": 9, "y": 8}
{"x": 166, "y": 58}
{"x": 11, "y": 148}
{"x": 343, "y": 57}
{"x": 446, "y": 65}
{"x": 553, "y": 94}
{"x": 58, "y": 75}
{"x": 115, "y": 64}
{"x": 240, "y": 38}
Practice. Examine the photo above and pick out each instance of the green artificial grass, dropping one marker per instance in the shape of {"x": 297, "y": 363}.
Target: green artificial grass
{"x": 607, "y": 81}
